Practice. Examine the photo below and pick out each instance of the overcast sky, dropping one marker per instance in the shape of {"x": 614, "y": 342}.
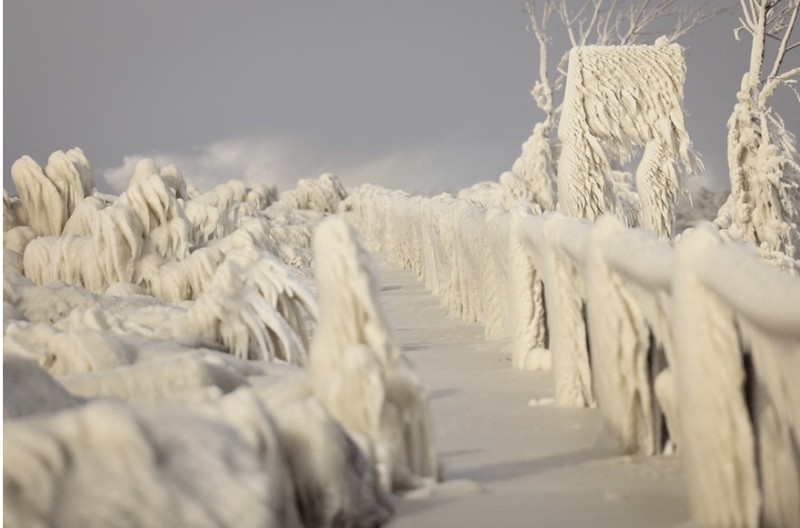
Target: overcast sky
{"x": 423, "y": 95}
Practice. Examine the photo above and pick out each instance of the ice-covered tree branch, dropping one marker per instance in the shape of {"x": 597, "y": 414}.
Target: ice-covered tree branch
{"x": 764, "y": 205}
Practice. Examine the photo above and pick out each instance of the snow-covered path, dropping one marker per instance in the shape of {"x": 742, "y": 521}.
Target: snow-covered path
{"x": 539, "y": 465}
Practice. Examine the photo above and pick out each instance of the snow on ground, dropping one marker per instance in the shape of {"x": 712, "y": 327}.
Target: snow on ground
{"x": 536, "y": 465}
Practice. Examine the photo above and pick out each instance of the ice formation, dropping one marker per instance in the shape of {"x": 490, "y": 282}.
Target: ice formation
{"x": 322, "y": 194}
{"x": 764, "y": 205}
{"x": 168, "y": 344}
{"x": 48, "y": 197}
{"x": 135, "y": 340}
{"x": 765, "y": 181}
{"x": 467, "y": 256}
{"x": 689, "y": 348}
{"x": 626, "y": 360}
{"x": 618, "y": 98}
{"x": 557, "y": 247}
{"x": 536, "y": 166}
{"x": 105, "y": 461}
{"x": 146, "y": 240}
{"x": 737, "y": 352}
{"x": 358, "y": 369}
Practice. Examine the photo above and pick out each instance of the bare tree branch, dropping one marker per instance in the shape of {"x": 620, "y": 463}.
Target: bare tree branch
{"x": 792, "y": 14}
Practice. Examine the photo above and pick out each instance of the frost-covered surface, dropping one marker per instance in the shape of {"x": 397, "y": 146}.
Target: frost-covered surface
{"x": 618, "y": 98}
{"x": 648, "y": 332}
{"x": 154, "y": 346}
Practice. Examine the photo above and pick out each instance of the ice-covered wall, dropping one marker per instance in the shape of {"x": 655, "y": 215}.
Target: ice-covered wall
{"x": 697, "y": 338}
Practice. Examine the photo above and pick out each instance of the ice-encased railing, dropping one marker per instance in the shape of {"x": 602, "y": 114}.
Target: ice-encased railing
{"x": 556, "y": 245}
{"x": 358, "y": 369}
{"x": 738, "y": 355}
{"x": 673, "y": 334}
{"x": 470, "y": 269}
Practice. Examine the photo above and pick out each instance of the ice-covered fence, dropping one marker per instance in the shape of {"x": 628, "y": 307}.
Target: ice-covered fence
{"x": 465, "y": 255}
{"x": 737, "y": 332}
{"x": 701, "y": 337}
{"x": 628, "y": 277}
{"x": 556, "y": 245}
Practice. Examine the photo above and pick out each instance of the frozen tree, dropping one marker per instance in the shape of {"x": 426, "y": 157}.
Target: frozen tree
{"x": 601, "y": 22}
{"x": 764, "y": 204}
{"x": 618, "y": 99}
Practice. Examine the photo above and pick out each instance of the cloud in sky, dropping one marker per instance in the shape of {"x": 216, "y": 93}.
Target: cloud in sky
{"x": 421, "y": 169}
{"x": 248, "y": 159}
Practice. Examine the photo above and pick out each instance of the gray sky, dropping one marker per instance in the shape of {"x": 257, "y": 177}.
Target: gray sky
{"x": 423, "y": 95}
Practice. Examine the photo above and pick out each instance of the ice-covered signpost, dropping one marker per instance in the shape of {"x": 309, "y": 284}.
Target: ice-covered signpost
{"x": 619, "y": 99}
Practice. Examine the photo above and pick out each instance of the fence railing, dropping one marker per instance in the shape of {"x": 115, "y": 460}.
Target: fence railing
{"x": 694, "y": 345}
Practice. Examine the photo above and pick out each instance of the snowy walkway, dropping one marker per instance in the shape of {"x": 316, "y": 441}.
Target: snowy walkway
{"x": 539, "y": 465}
